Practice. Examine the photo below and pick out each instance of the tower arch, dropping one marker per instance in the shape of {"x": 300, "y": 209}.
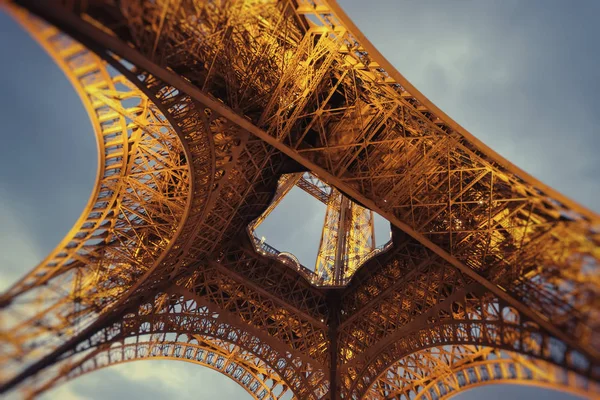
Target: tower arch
{"x": 118, "y": 237}
{"x": 443, "y": 371}
{"x": 259, "y": 380}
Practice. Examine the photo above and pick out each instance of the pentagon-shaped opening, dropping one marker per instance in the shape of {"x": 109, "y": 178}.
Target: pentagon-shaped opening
{"x": 314, "y": 228}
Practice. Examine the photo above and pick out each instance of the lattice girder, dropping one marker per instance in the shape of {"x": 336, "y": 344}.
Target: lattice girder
{"x": 301, "y": 332}
{"x": 283, "y": 282}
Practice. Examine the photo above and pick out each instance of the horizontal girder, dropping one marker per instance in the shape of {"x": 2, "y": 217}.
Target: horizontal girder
{"x": 315, "y": 187}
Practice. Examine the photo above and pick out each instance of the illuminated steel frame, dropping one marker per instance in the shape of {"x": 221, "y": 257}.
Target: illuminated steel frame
{"x": 199, "y": 107}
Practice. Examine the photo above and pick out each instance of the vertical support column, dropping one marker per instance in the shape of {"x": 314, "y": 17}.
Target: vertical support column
{"x": 326, "y": 256}
{"x": 347, "y": 239}
{"x": 344, "y": 231}
{"x": 333, "y": 305}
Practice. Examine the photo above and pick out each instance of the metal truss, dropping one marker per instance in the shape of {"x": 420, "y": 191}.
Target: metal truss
{"x": 199, "y": 107}
{"x": 315, "y": 187}
{"x": 347, "y": 239}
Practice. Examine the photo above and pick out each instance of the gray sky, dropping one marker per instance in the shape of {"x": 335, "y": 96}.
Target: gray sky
{"x": 521, "y": 75}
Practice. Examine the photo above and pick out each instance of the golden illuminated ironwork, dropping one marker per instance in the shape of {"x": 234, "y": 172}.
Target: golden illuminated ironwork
{"x": 348, "y": 237}
{"x": 199, "y": 108}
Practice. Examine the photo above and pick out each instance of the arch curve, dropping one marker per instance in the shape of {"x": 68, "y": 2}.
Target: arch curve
{"x": 441, "y": 372}
{"x": 184, "y": 316}
{"x": 172, "y": 318}
{"x": 466, "y": 319}
{"x": 259, "y": 380}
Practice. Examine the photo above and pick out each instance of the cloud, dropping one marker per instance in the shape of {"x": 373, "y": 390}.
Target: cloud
{"x": 150, "y": 379}
{"x": 20, "y": 253}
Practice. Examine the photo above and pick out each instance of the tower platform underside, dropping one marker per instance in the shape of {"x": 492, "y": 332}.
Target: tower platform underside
{"x": 206, "y": 113}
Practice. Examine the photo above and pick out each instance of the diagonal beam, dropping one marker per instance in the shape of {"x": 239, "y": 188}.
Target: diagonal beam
{"x": 315, "y": 188}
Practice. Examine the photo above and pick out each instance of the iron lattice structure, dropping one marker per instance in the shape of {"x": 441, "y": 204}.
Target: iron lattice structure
{"x": 199, "y": 107}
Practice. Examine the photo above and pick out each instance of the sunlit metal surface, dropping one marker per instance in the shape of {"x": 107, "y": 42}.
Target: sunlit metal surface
{"x": 206, "y": 105}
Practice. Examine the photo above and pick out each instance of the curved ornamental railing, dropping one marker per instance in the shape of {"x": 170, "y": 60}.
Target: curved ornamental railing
{"x": 257, "y": 378}
{"x": 286, "y": 258}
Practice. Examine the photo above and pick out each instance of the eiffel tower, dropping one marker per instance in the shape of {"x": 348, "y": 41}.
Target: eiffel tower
{"x": 206, "y": 113}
